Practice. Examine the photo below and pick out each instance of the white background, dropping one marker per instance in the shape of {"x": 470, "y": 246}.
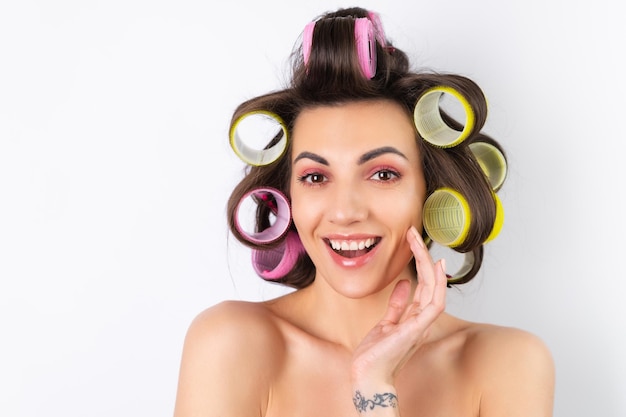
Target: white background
{"x": 115, "y": 170}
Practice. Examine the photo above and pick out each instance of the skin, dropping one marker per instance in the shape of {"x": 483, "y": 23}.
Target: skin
{"x": 365, "y": 325}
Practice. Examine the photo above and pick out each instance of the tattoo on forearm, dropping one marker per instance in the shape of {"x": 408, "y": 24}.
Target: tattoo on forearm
{"x": 363, "y": 404}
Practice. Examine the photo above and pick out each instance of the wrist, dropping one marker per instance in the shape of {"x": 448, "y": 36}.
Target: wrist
{"x": 371, "y": 377}
{"x": 369, "y": 397}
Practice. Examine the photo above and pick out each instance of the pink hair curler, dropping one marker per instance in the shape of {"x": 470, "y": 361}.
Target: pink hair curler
{"x": 278, "y": 205}
{"x": 307, "y": 41}
{"x": 366, "y": 46}
{"x": 275, "y": 263}
{"x": 365, "y": 36}
{"x": 378, "y": 28}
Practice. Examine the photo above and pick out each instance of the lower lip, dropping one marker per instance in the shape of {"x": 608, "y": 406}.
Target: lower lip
{"x": 357, "y": 262}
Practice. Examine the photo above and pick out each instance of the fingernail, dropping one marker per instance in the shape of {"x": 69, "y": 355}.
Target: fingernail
{"x": 443, "y": 265}
{"x": 417, "y": 236}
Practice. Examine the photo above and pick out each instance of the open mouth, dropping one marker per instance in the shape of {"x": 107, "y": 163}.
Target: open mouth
{"x": 352, "y": 248}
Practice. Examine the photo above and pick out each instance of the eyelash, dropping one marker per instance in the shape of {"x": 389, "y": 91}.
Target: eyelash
{"x": 387, "y": 170}
{"x": 307, "y": 178}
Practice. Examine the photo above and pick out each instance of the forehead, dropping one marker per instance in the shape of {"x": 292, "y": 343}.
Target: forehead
{"x": 354, "y": 127}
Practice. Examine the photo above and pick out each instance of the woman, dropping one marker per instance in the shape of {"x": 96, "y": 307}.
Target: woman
{"x": 352, "y": 170}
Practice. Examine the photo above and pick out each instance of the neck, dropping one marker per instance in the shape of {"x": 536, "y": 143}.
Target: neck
{"x": 345, "y": 321}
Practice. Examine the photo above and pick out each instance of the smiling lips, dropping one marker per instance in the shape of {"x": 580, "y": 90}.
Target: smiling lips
{"x": 352, "y": 248}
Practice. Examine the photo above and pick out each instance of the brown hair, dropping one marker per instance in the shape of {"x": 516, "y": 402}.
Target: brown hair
{"x": 332, "y": 76}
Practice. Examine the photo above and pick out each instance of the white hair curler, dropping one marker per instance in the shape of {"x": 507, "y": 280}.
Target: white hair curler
{"x": 458, "y": 265}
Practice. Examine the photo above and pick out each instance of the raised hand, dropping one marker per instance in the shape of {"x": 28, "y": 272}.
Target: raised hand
{"x": 405, "y": 325}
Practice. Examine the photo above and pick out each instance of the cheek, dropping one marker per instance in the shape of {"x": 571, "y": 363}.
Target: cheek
{"x": 297, "y": 215}
{"x": 302, "y": 211}
{"x": 401, "y": 208}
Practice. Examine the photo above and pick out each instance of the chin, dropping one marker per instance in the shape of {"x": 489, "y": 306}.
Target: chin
{"x": 362, "y": 284}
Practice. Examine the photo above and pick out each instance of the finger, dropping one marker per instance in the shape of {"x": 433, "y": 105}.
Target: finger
{"x": 419, "y": 318}
{"x": 438, "y": 301}
{"x": 416, "y": 244}
{"x": 441, "y": 280}
{"x": 441, "y": 285}
{"x": 397, "y": 302}
{"x": 425, "y": 268}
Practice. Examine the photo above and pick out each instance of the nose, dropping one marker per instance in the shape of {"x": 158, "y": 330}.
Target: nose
{"x": 348, "y": 204}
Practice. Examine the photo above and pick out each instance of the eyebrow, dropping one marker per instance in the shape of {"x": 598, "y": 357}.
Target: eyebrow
{"x": 375, "y": 153}
{"x": 367, "y": 156}
{"x": 312, "y": 156}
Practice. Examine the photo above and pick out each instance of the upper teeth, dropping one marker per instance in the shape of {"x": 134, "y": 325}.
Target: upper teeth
{"x": 351, "y": 244}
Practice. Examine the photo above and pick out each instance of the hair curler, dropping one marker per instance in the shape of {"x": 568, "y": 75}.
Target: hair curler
{"x": 465, "y": 262}
{"x": 279, "y": 206}
{"x": 446, "y": 217}
{"x": 492, "y": 162}
{"x": 430, "y": 124}
{"x": 275, "y": 263}
{"x": 378, "y": 28}
{"x": 499, "y": 220}
{"x": 466, "y": 267}
{"x": 249, "y": 127}
{"x": 365, "y": 40}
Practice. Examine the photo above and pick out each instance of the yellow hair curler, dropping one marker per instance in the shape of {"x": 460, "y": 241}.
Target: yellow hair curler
{"x": 431, "y": 126}
{"x": 446, "y": 217}
{"x": 492, "y": 162}
{"x": 499, "y": 220}
{"x": 251, "y": 133}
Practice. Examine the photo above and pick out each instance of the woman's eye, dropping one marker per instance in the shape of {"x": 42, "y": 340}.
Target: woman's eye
{"x": 316, "y": 178}
{"x": 385, "y": 175}
{"x": 313, "y": 178}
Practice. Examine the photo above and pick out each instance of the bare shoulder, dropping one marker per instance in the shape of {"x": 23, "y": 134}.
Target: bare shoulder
{"x": 499, "y": 343}
{"x": 513, "y": 369}
{"x": 241, "y": 333}
{"x": 235, "y": 322}
{"x": 230, "y": 356}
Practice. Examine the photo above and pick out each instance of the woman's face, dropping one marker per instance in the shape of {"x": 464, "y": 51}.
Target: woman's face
{"x": 356, "y": 187}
